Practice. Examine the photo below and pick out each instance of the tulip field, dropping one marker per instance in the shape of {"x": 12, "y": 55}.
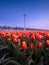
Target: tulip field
{"x": 24, "y": 48}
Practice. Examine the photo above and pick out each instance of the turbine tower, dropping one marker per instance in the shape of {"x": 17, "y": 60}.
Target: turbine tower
{"x": 24, "y": 21}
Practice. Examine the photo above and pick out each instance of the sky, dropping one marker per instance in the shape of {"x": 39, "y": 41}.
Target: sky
{"x": 37, "y": 13}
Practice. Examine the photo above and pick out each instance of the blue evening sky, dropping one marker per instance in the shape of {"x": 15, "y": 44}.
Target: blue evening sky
{"x": 37, "y": 13}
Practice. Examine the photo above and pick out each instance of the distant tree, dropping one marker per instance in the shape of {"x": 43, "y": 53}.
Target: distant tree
{"x": 8, "y": 27}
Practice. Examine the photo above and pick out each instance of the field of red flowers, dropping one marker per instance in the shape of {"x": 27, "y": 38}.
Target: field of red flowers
{"x": 24, "y": 48}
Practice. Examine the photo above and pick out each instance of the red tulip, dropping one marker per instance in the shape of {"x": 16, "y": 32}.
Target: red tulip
{"x": 18, "y": 41}
{"x": 40, "y": 45}
{"x": 32, "y": 47}
{"x": 47, "y": 43}
{"x": 24, "y": 45}
{"x": 32, "y": 37}
{"x": 15, "y": 36}
{"x": 26, "y": 36}
{"x": 15, "y": 40}
{"x": 39, "y": 37}
{"x": 47, "y": 36}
